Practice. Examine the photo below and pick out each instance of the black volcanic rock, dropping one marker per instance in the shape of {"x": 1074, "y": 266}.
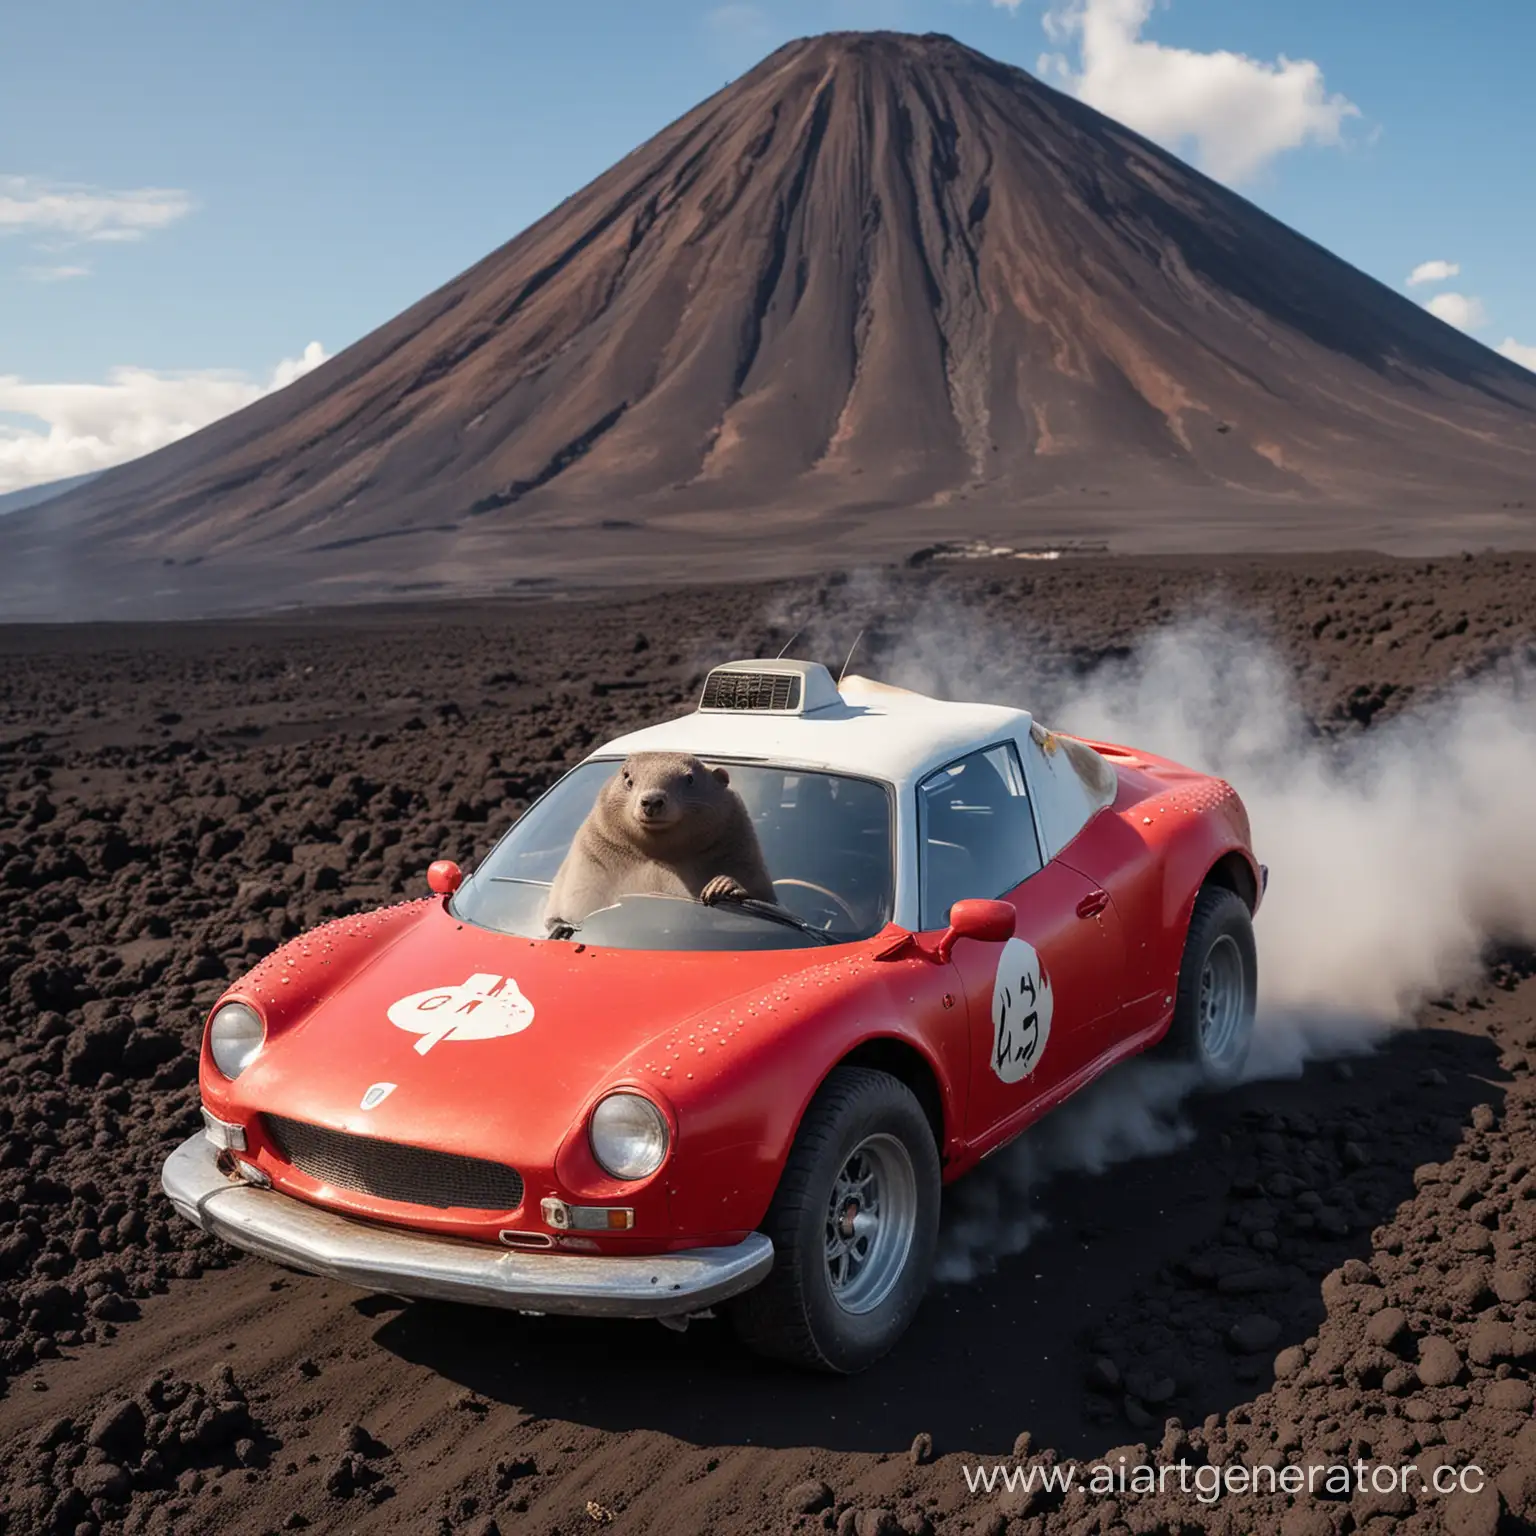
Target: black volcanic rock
{"x": 1114, "y": 1324}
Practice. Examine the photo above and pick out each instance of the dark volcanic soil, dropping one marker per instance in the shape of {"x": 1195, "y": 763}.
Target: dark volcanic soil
{"x": 881, "y": 287}
{"x": 1335, "y": 1267}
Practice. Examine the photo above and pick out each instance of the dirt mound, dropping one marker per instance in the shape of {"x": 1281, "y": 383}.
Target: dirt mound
{"x": 881, "y": 285}
{"x": 1334, "y": 1268}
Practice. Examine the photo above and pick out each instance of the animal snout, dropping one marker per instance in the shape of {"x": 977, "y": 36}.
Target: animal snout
{"x": 653, "y": 802}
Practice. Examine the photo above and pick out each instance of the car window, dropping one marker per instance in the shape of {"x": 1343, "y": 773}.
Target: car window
{"x": 975, "y": 831}
{"x": 826, "y": 839}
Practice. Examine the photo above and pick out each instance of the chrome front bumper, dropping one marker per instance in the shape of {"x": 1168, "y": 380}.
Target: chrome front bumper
{"x": 402, "y": 1263}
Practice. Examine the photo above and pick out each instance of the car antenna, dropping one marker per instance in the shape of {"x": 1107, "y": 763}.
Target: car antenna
{"x": 851, "y": 649}
{"x": 790, "y": 642}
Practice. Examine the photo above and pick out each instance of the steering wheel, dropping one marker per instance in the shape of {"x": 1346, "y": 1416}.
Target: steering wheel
{"x": 821, "y": 890}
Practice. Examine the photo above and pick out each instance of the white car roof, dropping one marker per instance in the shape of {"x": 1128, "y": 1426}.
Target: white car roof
{"x": 873, "y": 730}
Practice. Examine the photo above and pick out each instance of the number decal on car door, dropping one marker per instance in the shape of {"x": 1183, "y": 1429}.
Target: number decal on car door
{"x": 1022, "y": 1004}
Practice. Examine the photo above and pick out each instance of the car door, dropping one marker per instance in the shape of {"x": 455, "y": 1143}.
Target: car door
{"x": 1039, "y": 1007}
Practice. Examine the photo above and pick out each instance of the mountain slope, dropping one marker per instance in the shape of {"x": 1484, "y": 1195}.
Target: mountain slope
{"x": 33, "y": 495}
{"x": 879, "y": 272}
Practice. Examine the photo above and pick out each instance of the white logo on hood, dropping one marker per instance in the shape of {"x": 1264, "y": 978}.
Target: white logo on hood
{"x": 483, "y": 1008}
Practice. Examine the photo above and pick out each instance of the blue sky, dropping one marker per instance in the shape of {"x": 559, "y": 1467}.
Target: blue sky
{"x": 192, "y": 193}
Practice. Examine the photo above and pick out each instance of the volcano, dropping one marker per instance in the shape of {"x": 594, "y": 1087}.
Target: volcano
{"x": 880, "y": 289}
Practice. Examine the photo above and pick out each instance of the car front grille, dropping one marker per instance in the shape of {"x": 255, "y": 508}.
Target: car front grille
{"x": 391, "y": 1170}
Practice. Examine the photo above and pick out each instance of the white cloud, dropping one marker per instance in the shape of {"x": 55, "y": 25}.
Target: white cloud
{"x": 291, "y": 368}
{"x": 1465, "y": 311}
{"x": 1458, "y": 309}
{"x": 68, "y": 212}
{"x": 1516, "y": 352}
{"x": 1433, "y": 272}
{"x": 55, "y": 274}
{"x": 1007, "y": 5}
{"x": 1236, "y": 113}
{"x": 94, "y": 426}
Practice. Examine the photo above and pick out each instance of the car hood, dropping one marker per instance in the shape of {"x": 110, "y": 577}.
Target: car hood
{"x": 463, "y": 1038}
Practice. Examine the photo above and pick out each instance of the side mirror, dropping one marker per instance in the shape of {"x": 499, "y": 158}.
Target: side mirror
{"x": 445, "y": 877}
{"x": 992, "y": 922}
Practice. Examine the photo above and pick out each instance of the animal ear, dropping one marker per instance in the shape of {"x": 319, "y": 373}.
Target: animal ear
{"x": 721, "y": 774}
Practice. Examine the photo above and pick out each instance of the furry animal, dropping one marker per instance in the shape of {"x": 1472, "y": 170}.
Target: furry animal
{"x": 663, "y": 825}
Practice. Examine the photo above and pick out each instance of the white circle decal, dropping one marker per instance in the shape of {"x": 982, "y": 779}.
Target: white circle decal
{"x": 482, "y": 1008}
{"x": 1022, "y": 1004}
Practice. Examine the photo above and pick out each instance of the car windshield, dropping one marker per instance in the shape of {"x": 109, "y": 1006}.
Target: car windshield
{"x": 825, "y": 837}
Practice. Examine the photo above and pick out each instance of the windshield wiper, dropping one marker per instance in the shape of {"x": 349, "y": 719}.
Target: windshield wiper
{"x": 775, "y": 914}
{"x": 750, "y": 904}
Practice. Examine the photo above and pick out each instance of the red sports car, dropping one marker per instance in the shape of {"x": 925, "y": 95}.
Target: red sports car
{"x": 682, "y": 1104}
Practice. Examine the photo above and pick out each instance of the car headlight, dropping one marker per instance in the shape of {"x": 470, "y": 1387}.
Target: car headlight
{"x": 234, "y": 1038}
{"x": 628, "y": 1135}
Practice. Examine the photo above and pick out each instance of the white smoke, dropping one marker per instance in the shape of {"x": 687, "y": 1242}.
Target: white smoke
{"x": 1396, "y": 854}
{"x": 1134, "y": 1111}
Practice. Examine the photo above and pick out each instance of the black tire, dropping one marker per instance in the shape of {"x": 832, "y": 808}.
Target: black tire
{"x": 796, "y": 1315}
{"x": 1213, "y": 1009}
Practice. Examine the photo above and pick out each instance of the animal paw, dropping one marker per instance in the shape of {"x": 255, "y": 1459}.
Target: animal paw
{"x": 722, "y": 888}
